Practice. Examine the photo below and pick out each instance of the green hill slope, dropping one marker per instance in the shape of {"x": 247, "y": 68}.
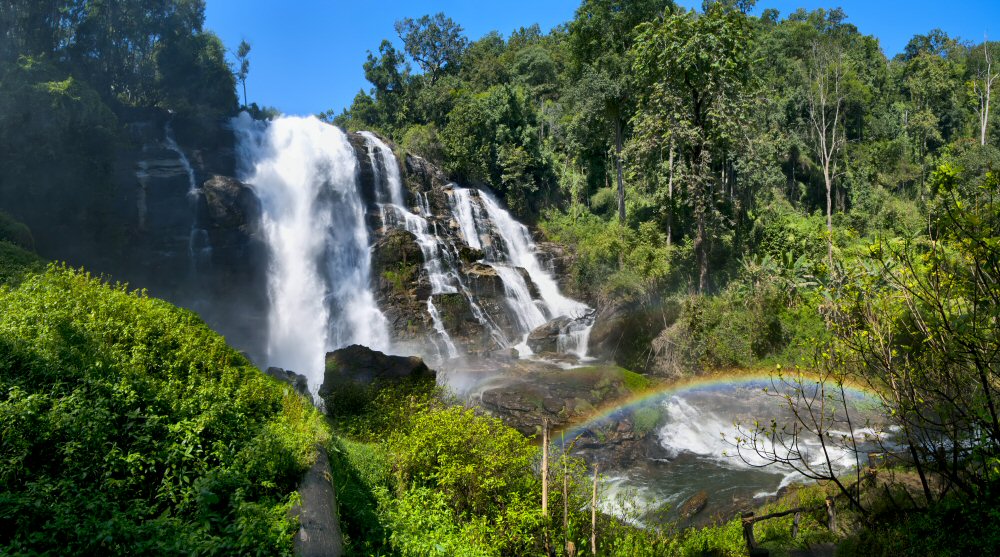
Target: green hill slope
{"x": 128, "y": 427}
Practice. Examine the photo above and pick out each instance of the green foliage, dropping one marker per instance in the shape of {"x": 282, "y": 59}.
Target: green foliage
{"x": 646, "y": 419}
{"x": 491, "y": 138}
{"x": 610, "y": 260}
{"x": 15, "y": 232}
{"x": 130, "y": 428}
{"x": 477, "y": 462}
{"x": 194, "y": 78}
{"x": 372, "y": 411}
{"x": 16, "y": 262}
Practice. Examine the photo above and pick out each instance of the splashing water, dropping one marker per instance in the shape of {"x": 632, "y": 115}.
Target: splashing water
{"x": 305, "y": 174}
{"x": 507, "y": 245}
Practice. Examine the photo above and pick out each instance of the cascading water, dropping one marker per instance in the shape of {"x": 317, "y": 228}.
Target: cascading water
{"x": 440, "y": 260}
{"x": 199, "y": 246}
{"x": 390, "y": 199}
{"x": 305, "y": 174}
{"x": 508, "y": 245}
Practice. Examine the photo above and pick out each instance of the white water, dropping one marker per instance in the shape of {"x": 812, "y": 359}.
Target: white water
{"x": 705, "y": 424}
{"x": 509, "y": 245}
{"x": 305, "y": 174}
{"x": 199, "y": 247}
{"x": 390, "y": 199}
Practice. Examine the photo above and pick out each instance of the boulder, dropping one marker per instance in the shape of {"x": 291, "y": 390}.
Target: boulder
{"x": 362, "y": 365}
{"x": 298, "y": 382}
{"x": 230, "y": 205}
{"x": 546, "y": 337}
{"x": 354, "y": 374}
{"x": 694, "y": 505}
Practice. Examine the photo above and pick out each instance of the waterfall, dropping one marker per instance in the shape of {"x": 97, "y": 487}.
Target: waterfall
{"x": 509, "y": 246}
{"x": 306, "y": 176}
{"x": 389, "y": 196}
{"x": 199, "y": 246}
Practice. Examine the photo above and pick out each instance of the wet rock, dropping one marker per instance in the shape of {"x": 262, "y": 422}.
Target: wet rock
{"x": 546, "y": 337}
{"x": 230, "y": 205}
{"x": 360, "y": 364}
{"x": 694, "y": 505}
{"x": 298, "y": 382}
{"x": 544, "y": 391}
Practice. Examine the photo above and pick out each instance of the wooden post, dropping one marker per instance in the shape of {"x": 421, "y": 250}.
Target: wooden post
{"x": 565, "y": 498}
{"x": 831, "y": 514}
{"x": 593, "y": 517}
{"x": 795, "y": 525}
{"x": 545, "y": 467}
{"x": 748, "y": 532}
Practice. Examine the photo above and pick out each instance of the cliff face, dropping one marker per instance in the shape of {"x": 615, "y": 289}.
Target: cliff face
{"x": 177, "y": 223}
{"x": 452, "y": 272}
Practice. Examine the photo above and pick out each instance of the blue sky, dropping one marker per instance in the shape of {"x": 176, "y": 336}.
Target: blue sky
{"x": 307, "y": 54}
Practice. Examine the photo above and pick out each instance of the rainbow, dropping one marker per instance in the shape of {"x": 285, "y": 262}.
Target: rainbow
{"x": 723, "y": 380}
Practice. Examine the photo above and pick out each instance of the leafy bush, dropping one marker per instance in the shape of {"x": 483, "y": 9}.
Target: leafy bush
{"x": 475, "y": 460}
{"x": 129, "y": 428}
{"x": 611, "y": 261}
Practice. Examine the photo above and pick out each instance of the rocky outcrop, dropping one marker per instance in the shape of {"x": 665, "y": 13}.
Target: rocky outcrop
{"x": 623, "y": 332}
{"x": 296, "y": 381}
{"x": 362, "y": 365}
{"x": 546, "y": 337}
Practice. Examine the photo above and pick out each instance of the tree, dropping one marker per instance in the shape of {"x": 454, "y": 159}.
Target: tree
{"x": 826, "y": 93}
{"x": 602, "y": 34}
{"x": 388, "y": 74}
{"x": 242, "y": 52}
{"x": 982, "y": 88}
{"x": 695, "y": 75}
{"x": 919, "y": 317}
{"x": 435, "y": 43}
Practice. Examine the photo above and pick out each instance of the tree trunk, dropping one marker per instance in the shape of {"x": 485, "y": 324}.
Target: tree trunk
{"x": 618, "y": 167}
{"x": 829, "y": 217}
{"x": 670, "y": 196}
{"x": 593, "y": 517}
{"x": 701, "y": 251}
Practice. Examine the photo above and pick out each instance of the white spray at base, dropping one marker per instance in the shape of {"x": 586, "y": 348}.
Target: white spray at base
{"x": 305, "y": 174}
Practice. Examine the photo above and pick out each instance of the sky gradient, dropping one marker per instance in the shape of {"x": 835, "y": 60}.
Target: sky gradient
{"x": 306, "y": 55}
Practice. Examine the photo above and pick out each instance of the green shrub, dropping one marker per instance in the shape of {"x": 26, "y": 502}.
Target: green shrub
{"x": 15, "y": 232}
{"x": 646, "y": 419}
{"x": 475, "y": 460}
{"x": 128, "y": 427}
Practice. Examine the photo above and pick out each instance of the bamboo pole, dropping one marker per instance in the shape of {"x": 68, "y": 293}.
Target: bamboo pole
{"x": 593, "y": 517}
{"x": 545, "y": 485}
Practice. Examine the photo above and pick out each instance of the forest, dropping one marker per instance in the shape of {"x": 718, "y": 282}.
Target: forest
{"x": 753, "y": 193}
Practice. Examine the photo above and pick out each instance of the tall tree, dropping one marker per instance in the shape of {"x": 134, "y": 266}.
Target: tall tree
{"x": 602, "y": 34}
{"x": 695, "y": 74}
{"x": 242, "y": 53}
{"x": 982, "y": 88}
{"x": 826, "y": 92}
{"x": 435, "y": 42}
